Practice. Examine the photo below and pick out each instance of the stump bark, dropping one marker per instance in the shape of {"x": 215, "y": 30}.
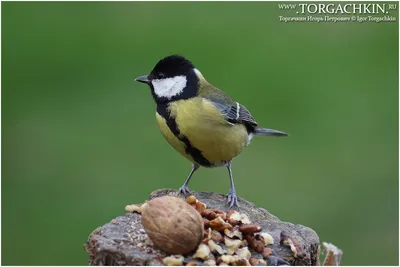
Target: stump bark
{"x": 123, "y": 241}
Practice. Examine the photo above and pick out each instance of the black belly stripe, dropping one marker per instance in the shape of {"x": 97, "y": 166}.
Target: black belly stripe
{"x": 196, "y": 154}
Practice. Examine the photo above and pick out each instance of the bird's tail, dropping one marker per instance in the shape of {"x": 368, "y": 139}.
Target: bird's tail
{"x": 268, "y": 132}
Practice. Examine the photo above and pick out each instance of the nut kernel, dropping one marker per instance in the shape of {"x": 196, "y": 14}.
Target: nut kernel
{"x": 191, "y": 200}
{"x": 133, "y": 208}
{"x": 219, "y": 224}
{"x": 202, "y": 252}
{"x": 176, "y": 260}
{"x": 268, "y": 239}
{"x": 249, "y": 228}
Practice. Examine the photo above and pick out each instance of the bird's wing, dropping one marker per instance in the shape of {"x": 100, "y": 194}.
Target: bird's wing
{"x": 233, "y": 111}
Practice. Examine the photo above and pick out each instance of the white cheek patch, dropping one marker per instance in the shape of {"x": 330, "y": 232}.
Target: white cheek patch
{"x": 169, "y": 87}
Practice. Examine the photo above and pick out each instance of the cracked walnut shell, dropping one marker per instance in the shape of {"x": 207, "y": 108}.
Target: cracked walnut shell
{"x": 172, "y": 224}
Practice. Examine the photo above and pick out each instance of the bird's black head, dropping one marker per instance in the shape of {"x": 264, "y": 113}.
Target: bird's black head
{"x": 171, "y": 66}
{"x": 173, "y": 78}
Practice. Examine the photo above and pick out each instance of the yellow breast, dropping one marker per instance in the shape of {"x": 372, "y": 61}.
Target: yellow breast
{"x": 205, "y": 128}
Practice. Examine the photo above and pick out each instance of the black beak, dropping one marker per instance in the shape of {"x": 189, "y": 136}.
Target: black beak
{"x": 143, "y": 79}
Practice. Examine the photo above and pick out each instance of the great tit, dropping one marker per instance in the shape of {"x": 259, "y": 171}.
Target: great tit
{"x": 200, "y": 121}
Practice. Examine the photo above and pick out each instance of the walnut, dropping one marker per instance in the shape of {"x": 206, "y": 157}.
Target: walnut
{"x": 172, "y": 224}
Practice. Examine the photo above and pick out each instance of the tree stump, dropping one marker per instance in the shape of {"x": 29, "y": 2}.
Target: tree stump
{"x": 123, "y": 241}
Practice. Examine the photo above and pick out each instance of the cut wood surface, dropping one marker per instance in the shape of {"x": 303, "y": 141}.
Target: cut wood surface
{"x": 124, "y": 241}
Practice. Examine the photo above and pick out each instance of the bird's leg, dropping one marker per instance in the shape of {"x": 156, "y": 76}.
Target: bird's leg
{"x": 232, "y": 198}
{"x": 184, "y": 188}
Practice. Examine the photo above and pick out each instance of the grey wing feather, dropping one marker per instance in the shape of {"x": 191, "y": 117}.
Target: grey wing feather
{"x": 235, "y": 113}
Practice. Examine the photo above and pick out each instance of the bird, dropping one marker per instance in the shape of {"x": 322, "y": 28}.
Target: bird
{"x": 200, "y": 121}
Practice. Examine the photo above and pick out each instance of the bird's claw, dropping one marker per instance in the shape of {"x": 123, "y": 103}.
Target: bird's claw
{"x": 232, "y": 199}
{"x": 184, "y": 190}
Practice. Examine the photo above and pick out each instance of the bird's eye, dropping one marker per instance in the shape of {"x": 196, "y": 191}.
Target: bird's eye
{"x": 160, "y": 75}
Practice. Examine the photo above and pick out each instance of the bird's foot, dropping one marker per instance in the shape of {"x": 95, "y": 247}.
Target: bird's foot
{"x": 232, "y": 198}
{"x": 184, "y": 190}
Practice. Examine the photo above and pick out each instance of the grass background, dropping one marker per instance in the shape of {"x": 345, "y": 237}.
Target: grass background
{"x": 80, "y": 141}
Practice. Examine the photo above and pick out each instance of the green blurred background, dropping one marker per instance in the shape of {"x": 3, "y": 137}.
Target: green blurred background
{"x": 80, "y": 141}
